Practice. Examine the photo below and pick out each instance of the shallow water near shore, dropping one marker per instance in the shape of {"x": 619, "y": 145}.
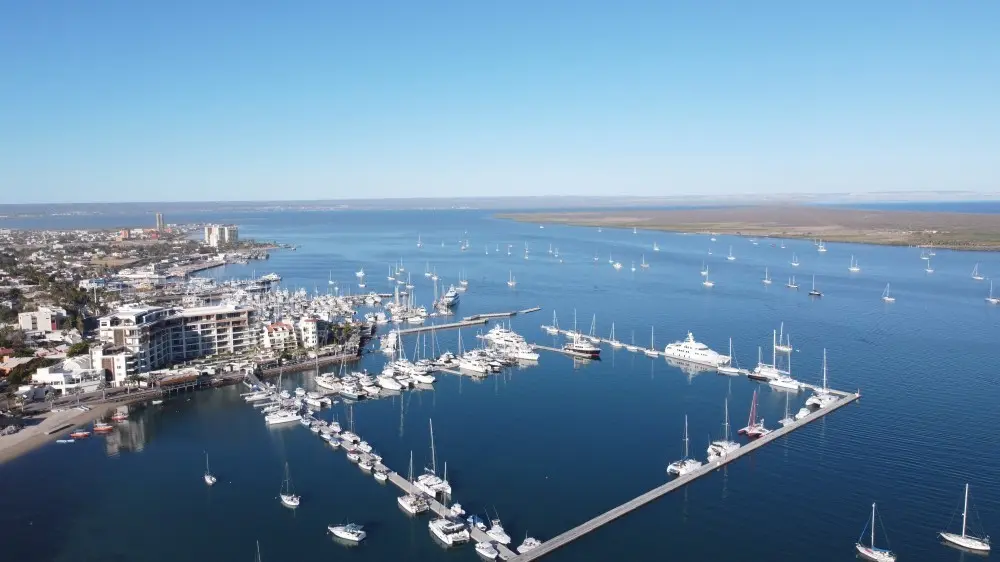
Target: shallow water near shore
{"x": 552, "y": 445}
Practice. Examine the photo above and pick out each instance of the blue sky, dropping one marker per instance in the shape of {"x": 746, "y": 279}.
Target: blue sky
{"x": 117, "y": 100}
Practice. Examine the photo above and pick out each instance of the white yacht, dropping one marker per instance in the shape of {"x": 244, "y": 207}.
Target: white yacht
{"x": 583, "y": 346}
{"x": 730, "y": 257}
{"x": 686, "y": 464}
{"x": 510, "y": 281}
{"x": 821, "y": 247}
{"x": 853, "y": 267}
{"x": 282, "y": 416}
{"x": 719, "y": 449}
{"x": 767, "y": 278}
{"x": 730, "y": 368}
{"x": 785, "y": 382}
{"x": 487, "y": 551}
{"x": 788, "y": 419}
{"x": 784, "y": 343}
{"x": 413, "y": 504}
{"x": 350, "y": 532}
{"x": 791, "y": 283}
{"x": 529, "y": 544}
{"x": 695, "y": 352}
{"x": 803, "y": 412}
{"x": 929, "y": 269}
{"x": 643, "y": 263}
{"x": 497, "y": 533}
{"x": 449, "y": 532}
{"x": 970, "y": 542}
{"x": 704, "y": 270}
{"x": 451, "y": 297}
{"x": 389, "y": 382}
{"x": 990, "y": 298}
{"x": 871, "y": 552}
{"x": 651, "y": 351}
{"x": 975, "y": 273}
{"x": 795, "y": 260}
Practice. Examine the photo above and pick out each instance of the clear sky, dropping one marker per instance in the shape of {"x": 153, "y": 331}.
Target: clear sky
{"x": 124, "y": 100}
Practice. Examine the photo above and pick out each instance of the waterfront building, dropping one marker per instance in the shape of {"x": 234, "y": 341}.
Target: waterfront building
{"x": 221, "y": 235}
{"x": 312, "y": 332}
{"x": 157, "y": 337}
{"x": 75, "y": 374}
{"x": 45, "y": 319}
{"x": 279, "y": 336}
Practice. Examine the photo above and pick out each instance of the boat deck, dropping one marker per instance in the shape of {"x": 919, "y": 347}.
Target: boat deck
{"x": 575, "y": 354}
{"x": 631, "y": 505}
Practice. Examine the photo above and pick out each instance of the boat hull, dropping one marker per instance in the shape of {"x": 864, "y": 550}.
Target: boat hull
{"x": 966, "y": 542}
{"x": 875, "y": 555}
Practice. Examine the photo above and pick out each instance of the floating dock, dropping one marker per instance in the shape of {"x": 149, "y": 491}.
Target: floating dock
{"x": 501, "y": 314}
{"x": 629, "y": 506}
{"x": 438, "y": 508}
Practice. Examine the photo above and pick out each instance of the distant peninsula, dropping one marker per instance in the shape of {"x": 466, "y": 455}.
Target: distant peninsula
{"x": 959, "y": 231}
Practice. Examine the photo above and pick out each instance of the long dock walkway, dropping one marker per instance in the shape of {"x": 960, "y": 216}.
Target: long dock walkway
{"x": 439, "y": 508}
{"x": 627, "y": 507}
{"x": 449, "y": 326}
{"x": 576, "y": 354}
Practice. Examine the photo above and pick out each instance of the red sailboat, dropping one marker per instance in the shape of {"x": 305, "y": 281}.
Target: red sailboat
{"x": 755, "y": 427}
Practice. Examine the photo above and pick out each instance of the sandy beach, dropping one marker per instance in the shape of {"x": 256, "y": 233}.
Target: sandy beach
{"x": 32, "y": 436}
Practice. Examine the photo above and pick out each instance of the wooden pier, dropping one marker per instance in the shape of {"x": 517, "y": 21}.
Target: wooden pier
{"x": 629, "y": 506}
{"x": 439, "y": 508}
{"x": 449, "y": 326}
{"x": 501, "y": 314}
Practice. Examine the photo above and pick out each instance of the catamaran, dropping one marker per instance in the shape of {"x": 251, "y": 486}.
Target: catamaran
{"x": 990, "y": 298}
{"x": 885, "y": 295}
{"x": 822, "y": 397}
{"x": 413, "y": 503}
{"x": 795, "y": 260}
{"x": 965, "y": 540}
{"x": 853, "y": 267}
{"x": 975, "y": 273}
{"x": 686, "y": 464}
{"x": 871, "y": 552}
{"x": 720, "y": 449}
{"x": 788, "y": 418}
{"x": 755, "y": 427}
{"x": 791, "y": 283}
{"x": 288, "y": 499}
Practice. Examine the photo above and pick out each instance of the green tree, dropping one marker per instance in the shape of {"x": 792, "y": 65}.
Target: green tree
{"x": 78, "y": 349}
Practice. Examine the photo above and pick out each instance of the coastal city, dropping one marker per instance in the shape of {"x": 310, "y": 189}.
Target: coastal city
{"x": 572, "y": 281}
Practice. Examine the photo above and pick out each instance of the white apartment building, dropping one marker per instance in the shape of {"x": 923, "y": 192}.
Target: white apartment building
{"x": 157, "y": 337}
{"x": 45, "y": 319}
{"x": 279, "y": 336}
{"x": 312, "y": 332}
{"x": 76, "y": 374}
{"x": 221, "y": 235}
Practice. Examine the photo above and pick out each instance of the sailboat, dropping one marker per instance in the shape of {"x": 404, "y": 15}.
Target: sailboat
{"x": 822, "y": 397}
{"x": 755, "y": 427}
{"x": 975, "y": 273}
{"x": 419, "y": 243}
{"x": 361, "y": 278}
{"x": 651, "y": 352}
{"x": 965, "y": 540}
{"x": 330, "y": 281}
{"x": 634, "y": 231}
{"x": 413, "y": 503}
{"x": 686, "y": 464}
{"x": 853, "y": 267}
{"x": 791, "y": 283}
{"x": 731, "y": 257}
{"x": 704, "y": 269}
{"x": 885, "y": 295}
{"x": 707, "y": 282}
{"x": 871, "y": 552}
{"x": 288, "y": 499}
{"x": 991, "y": 299}
{"x": 631, "y": 346}
{"x": 643, "y": 264}
{"x": 820, "y": 247}
{"x": 929, "y": 269}
{"x": 784, "y": 344}
{"x": 612, "y": 341}
{"x": 813, "y": 292}
{"x": 795, "y": 260}
{"x": 550, "y": 248}
{"x": 209, "y": 479}
{"x": 729, "y": 369}
{"x": 767, "y": 277}
{"x": 510, "y": 281}
{"x": 656, "y": 247}
{"x": 554, "y": 328}
{"x": 788, "y": 417}
{"x": 719, "y": 449}
{"x": 429, "y": 482}
{"x": 633, "y": 267}
{"x": 427, "y": 271}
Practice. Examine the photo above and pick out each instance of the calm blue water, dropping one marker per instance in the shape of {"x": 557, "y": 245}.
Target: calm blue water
{"x": 553, "y": 445}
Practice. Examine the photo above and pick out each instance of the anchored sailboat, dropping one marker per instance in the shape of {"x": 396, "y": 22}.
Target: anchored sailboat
{"x": 991, "y": 299}
{"x": 644, "y": 265}
{"x": 288, "y": 498}
{"x": 965, "y": 540}
{"x": 767, "y": 277}
{"x": 871, "y": 552}
{"x": 975, "y": 273}
{"x": 686, "y": 464}
{"x": 733, "y": 367}
{"x": 209, "y": 479}
{"x": 813, "y": 292}
{"x": 885, "y": 295}
{"x": 853, "y": 267}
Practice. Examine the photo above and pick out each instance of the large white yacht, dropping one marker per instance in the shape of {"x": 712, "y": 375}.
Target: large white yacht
{"x": 282, "y": 416}
{"x": 449, "y": 532}
{"x": 695, "y": 352}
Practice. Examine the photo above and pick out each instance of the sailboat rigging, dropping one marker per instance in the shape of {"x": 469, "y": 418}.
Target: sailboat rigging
{"x": 871, "y": 552}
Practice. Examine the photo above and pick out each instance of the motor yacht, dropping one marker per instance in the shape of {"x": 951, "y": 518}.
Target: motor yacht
{"x": 350, "y": 532}
{"x": 389, "y": 383}
{"x": 803, "y": 412}
{"x": 281, "y": 417}
{"x": 413, "y": 504}
{"x": 583, "y": 346}
{"x": 529, "y": 544}
{"x": 487, "y": 551}
{"x": 449, "y": 532}
{"x": 695, "y": 352}
{"x": 497, "y": 532}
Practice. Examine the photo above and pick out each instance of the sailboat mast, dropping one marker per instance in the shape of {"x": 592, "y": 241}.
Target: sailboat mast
{"x": 433, "y": 459}
{"x": 873, "y": 525}
{"x": 965, "y": 509}
{"x": 774, "y": 351}
{"x": 727, "y": 419}
{"x": 824, "y": 368}
{"x": 685, "y": 436}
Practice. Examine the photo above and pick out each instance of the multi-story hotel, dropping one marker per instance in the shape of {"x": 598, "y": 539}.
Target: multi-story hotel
{"x": 157, "y": 337}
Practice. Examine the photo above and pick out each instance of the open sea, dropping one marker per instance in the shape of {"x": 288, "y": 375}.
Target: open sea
{"x": 552, "y": 445}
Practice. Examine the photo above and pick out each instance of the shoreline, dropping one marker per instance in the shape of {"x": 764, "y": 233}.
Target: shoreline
{"x": 946, "y": 230}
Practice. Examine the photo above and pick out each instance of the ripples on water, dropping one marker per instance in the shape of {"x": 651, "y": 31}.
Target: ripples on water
{"x": 554, "y": 445}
